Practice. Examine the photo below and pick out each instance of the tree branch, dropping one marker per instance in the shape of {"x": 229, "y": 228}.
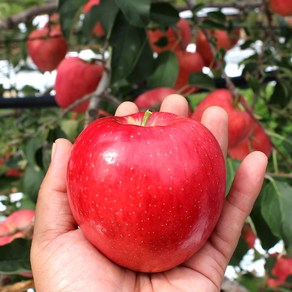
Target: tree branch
{"x": 12, "y": 21}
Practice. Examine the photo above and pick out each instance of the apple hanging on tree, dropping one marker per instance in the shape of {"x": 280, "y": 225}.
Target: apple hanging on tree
{"x": 47, "y": 47}
{"x": 281, "y": 7}
{"x": 153, "y": 97}
{"x": 240, "y": 122}
{"x": 146, "y": 190}
{"x": 174, "y": 38}
{"x": 75, "y": 79}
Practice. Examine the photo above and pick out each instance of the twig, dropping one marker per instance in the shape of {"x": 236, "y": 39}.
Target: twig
{"x": 12, "y": 21}
{"x": 18, "y": 287}
{"x": 96, "y": 97}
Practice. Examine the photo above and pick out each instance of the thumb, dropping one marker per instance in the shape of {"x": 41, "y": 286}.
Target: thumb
{"x": 53, "y": 214}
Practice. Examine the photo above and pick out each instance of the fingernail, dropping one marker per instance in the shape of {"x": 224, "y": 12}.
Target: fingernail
{"x": 54, "y": 146}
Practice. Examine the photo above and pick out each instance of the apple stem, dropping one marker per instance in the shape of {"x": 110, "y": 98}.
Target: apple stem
{"x": 145, "y": 118}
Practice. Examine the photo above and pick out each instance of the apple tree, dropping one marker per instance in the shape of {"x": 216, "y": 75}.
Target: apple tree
{"x": 64, "y": 64}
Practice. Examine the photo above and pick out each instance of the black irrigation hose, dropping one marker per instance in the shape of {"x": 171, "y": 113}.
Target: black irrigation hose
{"x": 49, "y": 101}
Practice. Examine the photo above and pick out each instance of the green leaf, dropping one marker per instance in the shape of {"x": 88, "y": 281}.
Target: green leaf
{"x": 67, "y": 10}
{"x": 164, "y": 14}
{"x": 218, "y": 17}
{"x": 231, "y": 167}
{"x": 15, "y": 257}
{"x": 144, "y": 66}
{"x": 30, "y": 148}
{"x": 128, "y": 43}
{"x": 240, "y": 251}
{"x": 105, "y": 13}
{"x": 281, "y": 94}
{"x": 136, "y": 12}
{"x": 210, "y": 24}
{"x": 202, "y": 80}
{"x": 276, "y": 210}
{"x": 263, "y": 230}
{"x": 196, "y": 8}
{"x": 166, "y": 70}
{"x": 32, "y": 179}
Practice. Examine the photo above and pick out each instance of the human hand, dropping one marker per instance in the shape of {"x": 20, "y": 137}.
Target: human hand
{"x": 63, "y": 260}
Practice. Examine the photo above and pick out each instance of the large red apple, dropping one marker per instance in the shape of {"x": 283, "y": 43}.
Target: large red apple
{"x": 75, "y": 79}
{"x": 153, "y": 97}
{"x": 223, "y": 41}
{"x": 281, "y": 7}
{"x": 175, "y": 38}
{"x": 240, "y": 123}
{"x": 188, "y": 63}
{"x": 146, "y": 193}
{"x": 256, "y": 141}
{"x": 98, "y": 29}
{"x": 47, "y": 47}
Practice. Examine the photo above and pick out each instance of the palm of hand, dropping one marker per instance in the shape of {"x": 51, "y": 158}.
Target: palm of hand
{"x": 63, "y": 260}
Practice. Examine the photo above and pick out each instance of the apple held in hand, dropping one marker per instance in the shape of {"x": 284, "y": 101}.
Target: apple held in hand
{"x": 240, "y": 123}
{"x": 146, "y": 191}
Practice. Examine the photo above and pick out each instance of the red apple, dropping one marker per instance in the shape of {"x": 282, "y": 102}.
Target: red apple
{"x": 281, "y": 7}
{"x": 223, "y": 41}
{"x": 75, "y": 79}
{"x": 248, "y": 235}
{"x": 240, "y": 123}
{"x": 47, "y": 47}
{"x": 187, "y": 63}
{"x": 14, "y": 225}
{"x": 153, "y": 98}
{"x": 280, "y": 272}
{"x": 256, "y": 141}
{"x": 177, "y": 37}
{"x": 146, "y": 191}
{"x": 98, "y": 29}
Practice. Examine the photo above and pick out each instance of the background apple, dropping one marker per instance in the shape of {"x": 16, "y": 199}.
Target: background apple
{"x": 75, "y": 79}
{"x": 248, "y": 235}
{"x": 147, "y": 196}
{"x": 281, "y": 270}
{"x": 281, "y": 7}
{"x": 257, "y": 140}
{"x": 240, "y": 123}
{"x": 152, "y": 98}
{"x": 98, "y": 29}
{"x": 188, "y": 63}
{"x": 175, "y": 38}
{"x": 223, "y": 41}
{"x": 47, "y": 47}
{"x": 14, "y": 225}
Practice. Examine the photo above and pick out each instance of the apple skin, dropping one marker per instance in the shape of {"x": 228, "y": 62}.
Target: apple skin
{"x": 75, "y": 79}
{"x": 248, "y": 235}
{"x": 153, "y": 97}
{"x": 224, "y": 41}
{"x": 98, "y": 29}
{"x": 177, "y": 37}
{"x": 147, "y": 197}
{"x": 240, "y": 123}
{"x": 280, "y": 271}
{"x": 14, "y": 225}
{"x": 256, "y": 141}
{"x": 188, "y": 63}
{"x": 281, "y": 7}
{"x": 47, "y": 47}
